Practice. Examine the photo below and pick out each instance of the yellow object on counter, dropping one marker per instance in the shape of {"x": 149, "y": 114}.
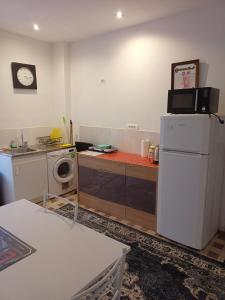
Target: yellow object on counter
{"x": 56, "y": 133}
{"x": 65, "y": 145}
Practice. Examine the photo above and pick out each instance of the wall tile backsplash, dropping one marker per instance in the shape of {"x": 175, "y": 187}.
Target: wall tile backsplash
{"x": 29, "y": 135}
{"x": 126, "y": 140}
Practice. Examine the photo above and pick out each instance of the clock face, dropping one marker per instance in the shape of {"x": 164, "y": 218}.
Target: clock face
{"x": 25, "y": 76}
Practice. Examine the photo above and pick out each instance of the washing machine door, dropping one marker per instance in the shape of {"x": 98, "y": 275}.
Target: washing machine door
{"x": 64, "y": 170}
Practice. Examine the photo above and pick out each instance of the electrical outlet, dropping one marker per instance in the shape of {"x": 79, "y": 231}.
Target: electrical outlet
{"x": 133, "y": 126}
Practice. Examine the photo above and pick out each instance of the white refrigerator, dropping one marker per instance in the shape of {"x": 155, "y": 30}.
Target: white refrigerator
{"x": 190, "y": 178}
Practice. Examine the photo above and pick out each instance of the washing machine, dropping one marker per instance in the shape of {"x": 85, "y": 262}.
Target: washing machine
{"x": 62, "y": 171}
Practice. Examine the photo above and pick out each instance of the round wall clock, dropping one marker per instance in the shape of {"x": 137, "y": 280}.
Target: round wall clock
{"x": 24, "y": 76}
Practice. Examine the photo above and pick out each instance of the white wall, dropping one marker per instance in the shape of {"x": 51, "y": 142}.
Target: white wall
{"x": 124, "y": 76}
{"x": 61, "y": 80}
{"x": 25, "y": 108}
{"x": 34, "y": 110}
{"x": 125, "y": 140}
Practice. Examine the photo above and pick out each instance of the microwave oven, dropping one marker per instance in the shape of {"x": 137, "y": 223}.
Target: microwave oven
{"x": 203, "y": 100}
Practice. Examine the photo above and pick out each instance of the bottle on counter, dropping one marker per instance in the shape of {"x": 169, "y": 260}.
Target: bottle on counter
{"x": 144, "y": 147}
{"x": 156, "y": 155}
{"x": 151, "y": 153}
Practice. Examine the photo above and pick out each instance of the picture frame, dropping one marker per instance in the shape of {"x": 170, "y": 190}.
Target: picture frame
{"x": 185, "y": 74}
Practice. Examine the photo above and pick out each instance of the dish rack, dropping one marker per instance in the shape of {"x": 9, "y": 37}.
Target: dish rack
{"x": 47, "y": 140}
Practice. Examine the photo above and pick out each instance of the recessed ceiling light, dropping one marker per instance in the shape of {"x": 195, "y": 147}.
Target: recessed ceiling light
{"x": 119, "y": 14}
{"x": 36, "y": 27}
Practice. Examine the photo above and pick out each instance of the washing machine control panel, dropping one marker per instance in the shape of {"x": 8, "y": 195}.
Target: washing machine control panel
{"x": 62, "y": 152}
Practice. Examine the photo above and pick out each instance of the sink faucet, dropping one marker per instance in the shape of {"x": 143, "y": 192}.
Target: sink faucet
{"x": 23, "y": 144}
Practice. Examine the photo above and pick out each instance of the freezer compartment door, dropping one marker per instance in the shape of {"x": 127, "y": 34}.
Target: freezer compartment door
{"x": 188, "y": 133}
{"x": 181, "y": 197}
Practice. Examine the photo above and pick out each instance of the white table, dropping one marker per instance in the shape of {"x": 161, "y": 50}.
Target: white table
{"x": 68, "y": 256}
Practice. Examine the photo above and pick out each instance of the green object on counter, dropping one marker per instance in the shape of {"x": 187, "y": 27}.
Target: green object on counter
{"x": 13, "y": 145}
{"x": 103, "y": 146}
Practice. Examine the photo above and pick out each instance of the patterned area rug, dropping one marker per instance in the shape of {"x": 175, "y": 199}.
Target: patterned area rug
{"x": 157, "y": 269}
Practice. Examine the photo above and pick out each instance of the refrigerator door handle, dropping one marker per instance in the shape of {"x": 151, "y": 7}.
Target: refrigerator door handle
{"x": 182, "y": 152}
{"x": 196, "y": 101}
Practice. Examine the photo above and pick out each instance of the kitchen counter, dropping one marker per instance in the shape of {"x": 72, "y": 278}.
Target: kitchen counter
{"x": 128, "y": 158}
{"x": 123, "y": 157}
{"x": 50, "y": 148}
{"x": 120, "y": 184}
{"x": 9, "y": 152}
{"x": 38, "y": 149}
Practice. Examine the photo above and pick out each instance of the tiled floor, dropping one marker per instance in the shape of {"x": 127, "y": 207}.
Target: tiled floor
{"x": 215, "y": 249}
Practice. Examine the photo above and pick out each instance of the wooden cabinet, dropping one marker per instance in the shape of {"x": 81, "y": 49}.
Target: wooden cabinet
{"x": 102, "y": 184}
{"x": 101, "y": 164}
{"x": 23, "y": 177}
{"x": 105, "y": 206}
{"x": 141, "y": 188}
{"x": 123, "y": 190}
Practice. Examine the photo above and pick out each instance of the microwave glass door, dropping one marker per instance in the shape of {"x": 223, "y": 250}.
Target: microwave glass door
{"x": 181, "y": 102}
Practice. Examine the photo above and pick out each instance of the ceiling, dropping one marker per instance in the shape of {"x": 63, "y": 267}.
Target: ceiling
{"x": 71, "y": 20}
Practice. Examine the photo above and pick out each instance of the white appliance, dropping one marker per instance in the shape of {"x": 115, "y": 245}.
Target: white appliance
{"x": 23, "y": 176}
{"x": 62, "y": 171}
{"x": 190, "y": 178}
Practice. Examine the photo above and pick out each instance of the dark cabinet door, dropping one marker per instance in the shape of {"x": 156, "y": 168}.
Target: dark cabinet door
{"x": 102, "y": 184}
{"x": 141, "y": 188}
{"x": 131, "y": 185}
{"x": 141, "y": 194}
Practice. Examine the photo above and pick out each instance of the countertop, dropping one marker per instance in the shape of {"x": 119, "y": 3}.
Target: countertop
{"x": 49, "y": 148}
{"x": 118, "y": 156}
{"x": 124, "y": 157}
{"x": 39, "y": 149}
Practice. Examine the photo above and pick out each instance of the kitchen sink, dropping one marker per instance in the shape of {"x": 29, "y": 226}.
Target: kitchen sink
{"x": 18, "y": 151}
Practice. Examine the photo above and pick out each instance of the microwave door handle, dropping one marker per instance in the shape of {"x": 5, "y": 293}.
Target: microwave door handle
{"x": 196, "y": 101}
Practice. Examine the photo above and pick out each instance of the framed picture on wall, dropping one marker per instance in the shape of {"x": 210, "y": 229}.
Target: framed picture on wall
{"x": 185, "y": 74}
